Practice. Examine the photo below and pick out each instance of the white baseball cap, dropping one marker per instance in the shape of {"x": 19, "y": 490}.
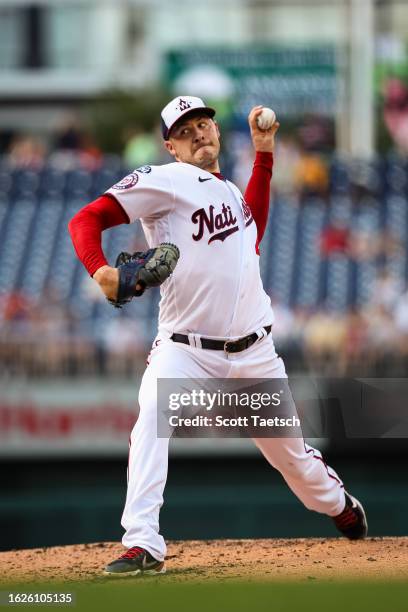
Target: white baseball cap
{"x": 179, "y": 107}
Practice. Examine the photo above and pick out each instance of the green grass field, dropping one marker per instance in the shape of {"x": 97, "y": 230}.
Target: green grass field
{"x": 150, "y": 595}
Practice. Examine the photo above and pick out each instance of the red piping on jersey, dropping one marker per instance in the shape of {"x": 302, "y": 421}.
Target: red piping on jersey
{"x": 311, "y": 450}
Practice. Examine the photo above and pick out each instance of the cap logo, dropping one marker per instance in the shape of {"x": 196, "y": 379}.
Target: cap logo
{"x": 183, "y": 105}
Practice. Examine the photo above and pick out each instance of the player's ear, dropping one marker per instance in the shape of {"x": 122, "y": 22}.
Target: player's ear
{"x": 170, "y": 148}
{"x": 217, "y": 129}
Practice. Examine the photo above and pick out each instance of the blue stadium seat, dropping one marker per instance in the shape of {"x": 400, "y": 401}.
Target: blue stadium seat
{"x": 281, "y": 251}
{"x": 6, "y": 182}
{"x": 78, "y": 183}
{"x": 33, "y": 277}
{"x": 52, "y": 182}
{"x": 336, "y": 283}
{"x": 16, "y": 237}
{"x": 340, "y": 175}
{"x": 305, "y": 286}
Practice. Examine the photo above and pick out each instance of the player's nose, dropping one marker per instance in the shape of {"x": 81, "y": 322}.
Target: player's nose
{"x": 198, "y": 134}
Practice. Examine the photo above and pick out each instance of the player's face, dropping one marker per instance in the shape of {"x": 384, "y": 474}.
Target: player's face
{"x": 196, "y": 141}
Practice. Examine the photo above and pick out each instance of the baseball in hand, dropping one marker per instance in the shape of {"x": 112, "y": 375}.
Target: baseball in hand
{"x": 266, "y": 118}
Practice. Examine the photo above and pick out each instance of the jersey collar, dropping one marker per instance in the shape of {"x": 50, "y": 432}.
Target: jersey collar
{"x": 219, "y": 176}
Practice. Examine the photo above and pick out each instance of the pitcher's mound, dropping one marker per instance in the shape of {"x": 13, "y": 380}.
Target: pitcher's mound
{"x": 278, "y": 559}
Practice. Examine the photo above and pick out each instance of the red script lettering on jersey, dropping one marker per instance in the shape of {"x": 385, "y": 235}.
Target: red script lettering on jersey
{"x": 247, "y": 213}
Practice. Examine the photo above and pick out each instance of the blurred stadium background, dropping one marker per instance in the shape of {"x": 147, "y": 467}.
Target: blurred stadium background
{"x": 81, "y": 87}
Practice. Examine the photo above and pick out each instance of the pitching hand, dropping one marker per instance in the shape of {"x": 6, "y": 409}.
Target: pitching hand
{"x": 263, "y": 140}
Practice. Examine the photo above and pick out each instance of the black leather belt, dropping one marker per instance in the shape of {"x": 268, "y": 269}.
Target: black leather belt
{"x": 230, "y": 346}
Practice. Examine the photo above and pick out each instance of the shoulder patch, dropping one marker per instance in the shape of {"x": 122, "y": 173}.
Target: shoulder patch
{"x": 144, "y": 169}
{"x": 126, "y": 183}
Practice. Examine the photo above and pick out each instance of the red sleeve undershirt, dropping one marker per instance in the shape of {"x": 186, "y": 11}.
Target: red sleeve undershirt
{"x": 86, "y": 229}
{"x": 257, "y": 193}
{"x": 87, "y": 225}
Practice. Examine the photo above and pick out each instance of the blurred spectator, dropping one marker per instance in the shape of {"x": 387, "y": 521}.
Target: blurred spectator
{"x": 286, "y": 160}
{"x": 385, "y": 291}
{"x": 283, "y": 326}
{"x": 324, "y": 339}
{"x": 311, "y": 176}
{"x": 6, "y": 137}
{"x": 26, "y": 152}
{"x": 357, "y": 243}
{"x": 364, "y": 244}
{"x": 365, "y": 183}
{"x": 68, "y": 135}
{"x": 90, "y": 156}
{"x": 352, "y": 352}
{"x": 335, "y": 238}
{"x": 15, "y": 306}
{"x": 316, "y": 134}
{"x": 396, "y": 113}
{"x": 381, "y": 341}
{"x": 288, "y": 330}
{"x": 243, "y": 159}
{"x": 74, "y": 146}
{"x": 367, "y": 243}
{"x": 124, "y": 342}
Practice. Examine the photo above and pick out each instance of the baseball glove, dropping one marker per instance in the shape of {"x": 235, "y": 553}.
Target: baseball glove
{"x": 148, "y": 269}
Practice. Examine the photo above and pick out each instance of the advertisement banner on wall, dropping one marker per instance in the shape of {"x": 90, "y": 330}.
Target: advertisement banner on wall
{"x": 85, "y": 418}
{"x": 292, "y": 80}
{"x": 88, "y": 419}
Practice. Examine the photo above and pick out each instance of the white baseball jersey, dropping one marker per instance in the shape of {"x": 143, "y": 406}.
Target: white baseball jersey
{"x": 216, "y": 289}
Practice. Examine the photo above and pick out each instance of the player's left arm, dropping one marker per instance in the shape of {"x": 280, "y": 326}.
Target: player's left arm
{"x": 257, "y": 193}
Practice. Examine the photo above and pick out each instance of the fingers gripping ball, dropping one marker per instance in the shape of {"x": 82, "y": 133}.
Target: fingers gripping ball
{"x": 148, "y": 269}
{"x": 266, "y": 119}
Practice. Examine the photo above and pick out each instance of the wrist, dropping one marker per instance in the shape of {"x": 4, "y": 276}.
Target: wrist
{"x": 108, "y": 280}
{"x": 103, "y": 274}
{"x": 264, "y": 147}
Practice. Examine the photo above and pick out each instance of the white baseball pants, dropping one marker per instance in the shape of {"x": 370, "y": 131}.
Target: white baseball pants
{"x": 315, "y": 484}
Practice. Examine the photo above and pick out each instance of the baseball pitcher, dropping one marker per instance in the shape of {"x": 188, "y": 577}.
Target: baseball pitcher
{"x": 215, "y": 318}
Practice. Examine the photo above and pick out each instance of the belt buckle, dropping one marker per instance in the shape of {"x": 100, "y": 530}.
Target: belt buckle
{"x": 233, "y": 346}
{"x": 226, "y": 343}
{"x": 225, "y": 346}
{"x": 249, "y": 341}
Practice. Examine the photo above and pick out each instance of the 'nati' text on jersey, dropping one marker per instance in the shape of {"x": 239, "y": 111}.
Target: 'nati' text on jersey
{"x": 220, "y": 221}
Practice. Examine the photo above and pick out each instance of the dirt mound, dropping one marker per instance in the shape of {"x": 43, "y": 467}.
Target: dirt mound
{"x": 279, "y": 559}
